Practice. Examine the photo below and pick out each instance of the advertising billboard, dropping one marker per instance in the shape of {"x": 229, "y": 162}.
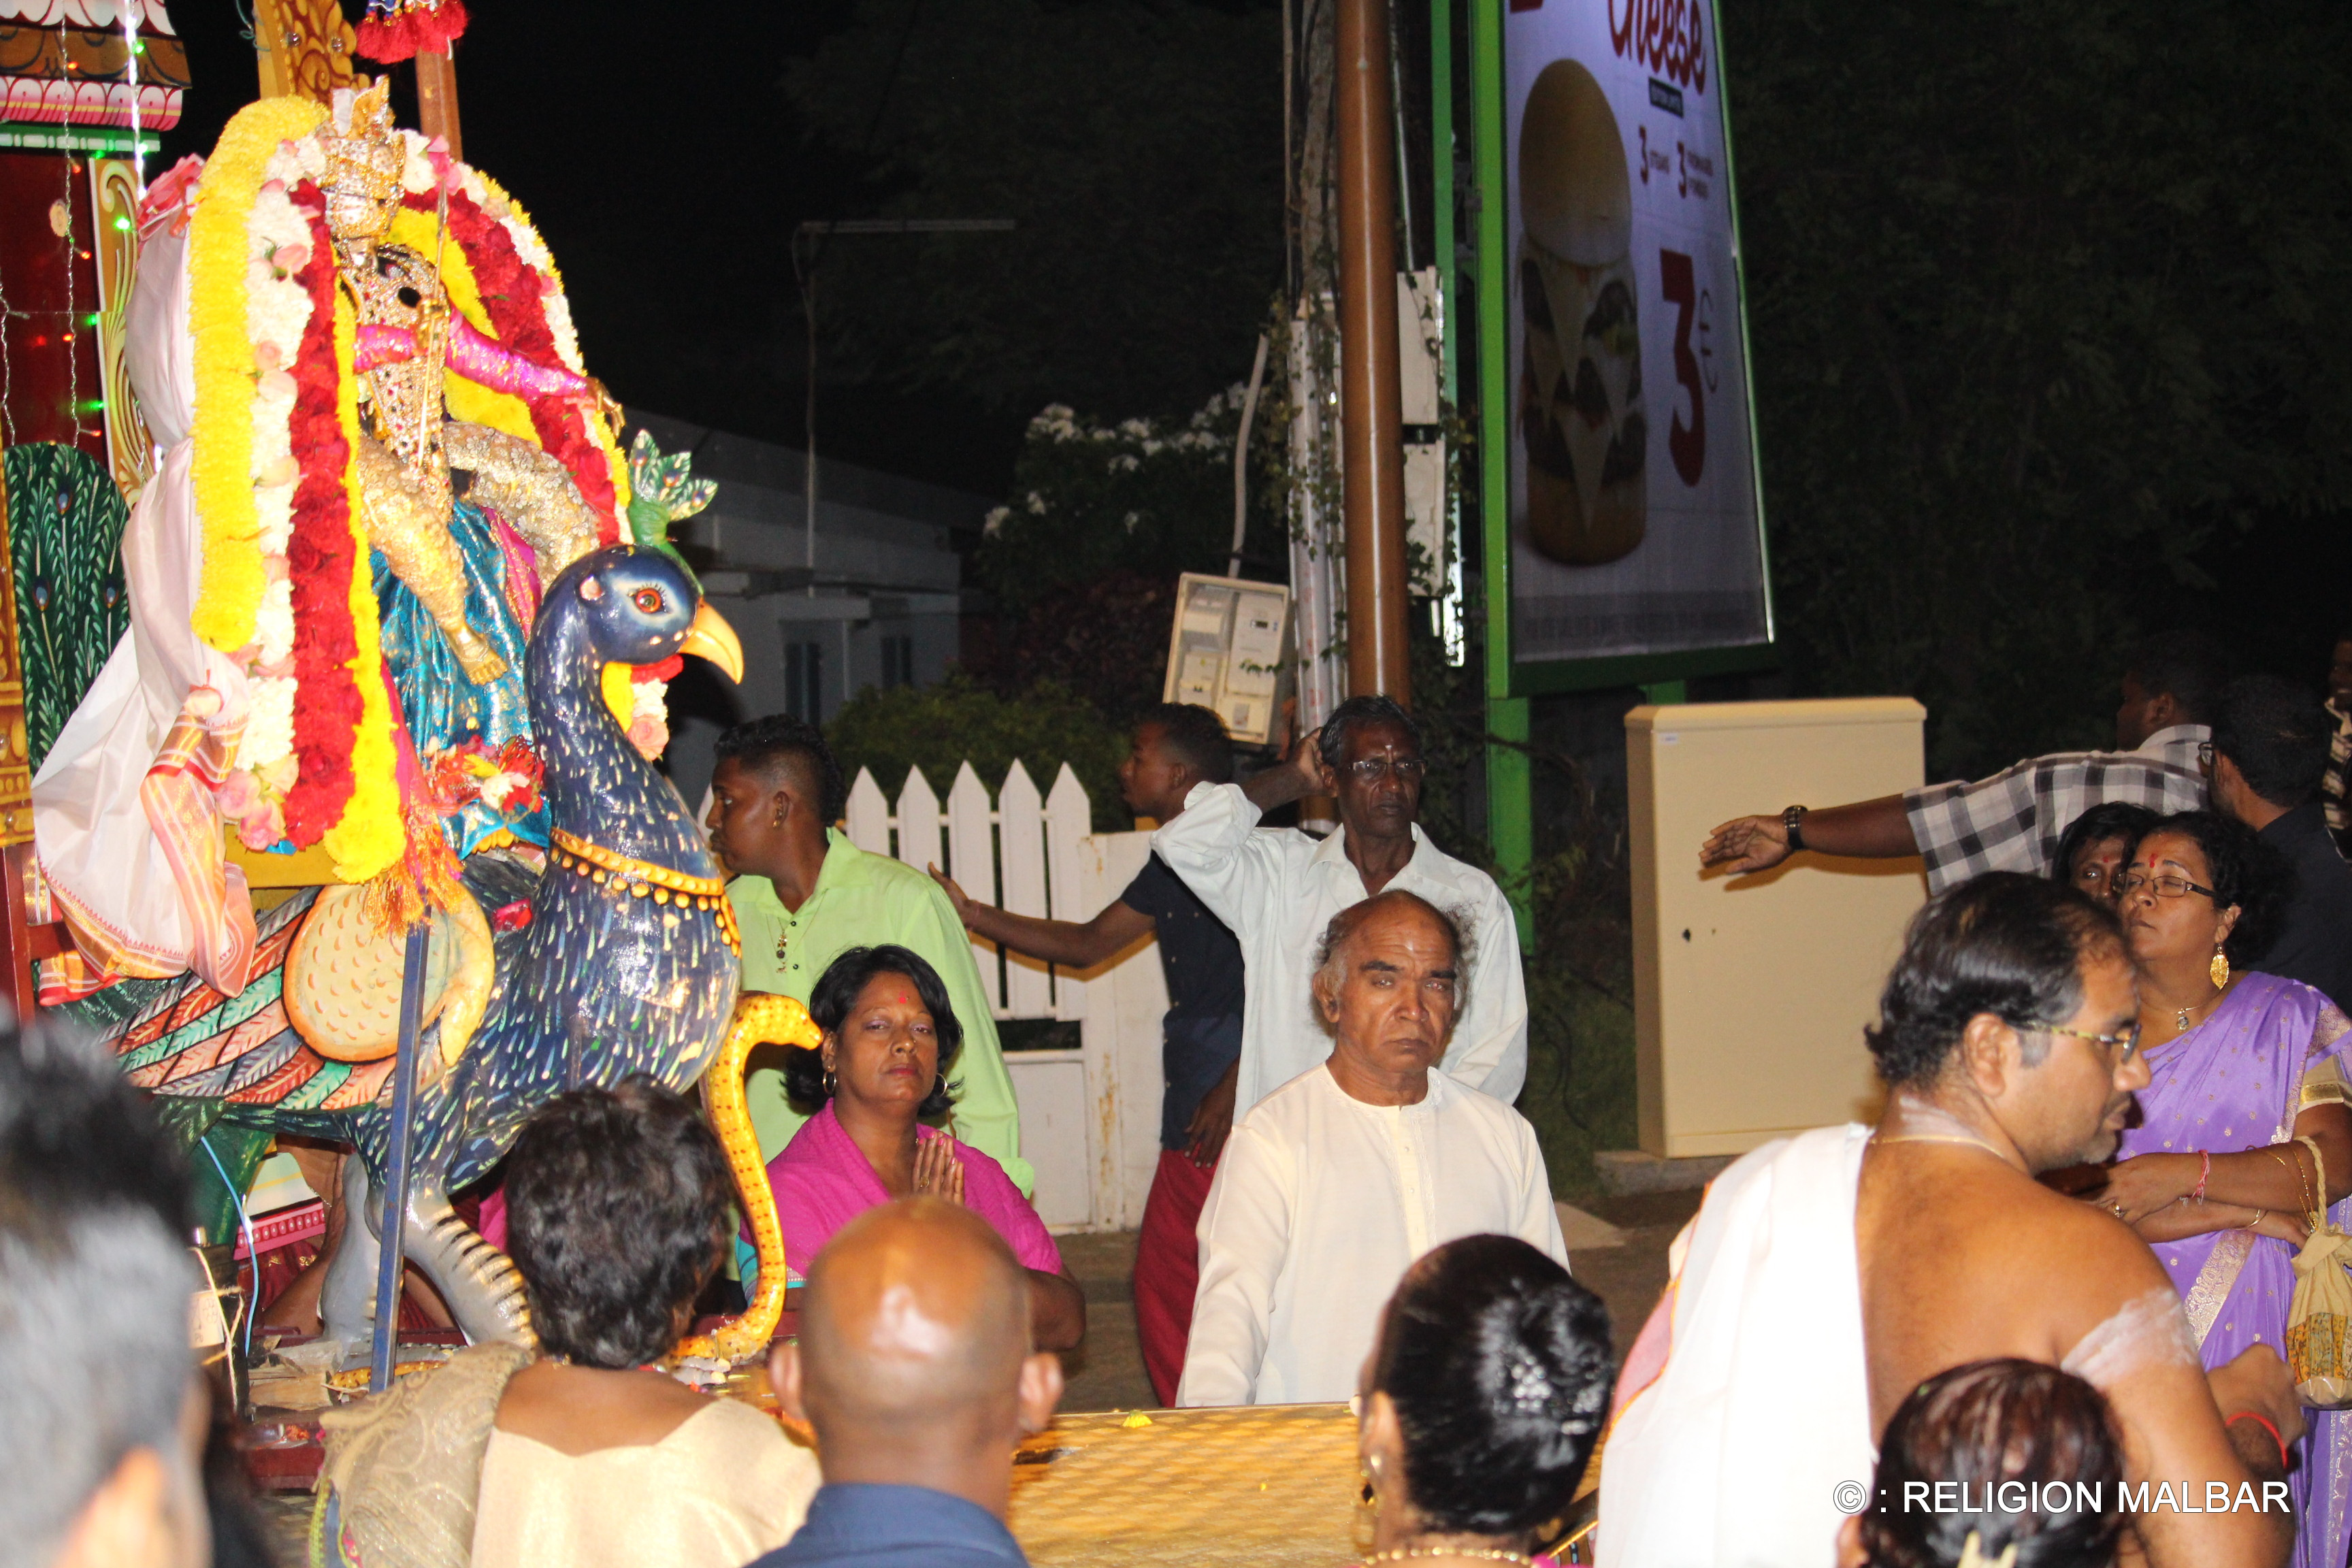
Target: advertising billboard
{"x": 1634, "y": 523}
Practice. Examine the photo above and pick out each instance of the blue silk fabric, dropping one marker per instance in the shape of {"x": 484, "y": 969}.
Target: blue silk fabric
{"x": 441, "y": 708}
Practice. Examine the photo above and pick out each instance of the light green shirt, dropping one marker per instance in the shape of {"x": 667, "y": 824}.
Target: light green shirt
{"x": 865, "y": 900}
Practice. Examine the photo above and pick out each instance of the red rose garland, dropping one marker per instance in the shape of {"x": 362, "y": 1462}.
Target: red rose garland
{"x": 319, "y": 559}
{"x": 512, "y": 293}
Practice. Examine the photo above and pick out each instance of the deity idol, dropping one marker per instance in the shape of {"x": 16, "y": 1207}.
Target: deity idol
{"x": 378, "y": 447}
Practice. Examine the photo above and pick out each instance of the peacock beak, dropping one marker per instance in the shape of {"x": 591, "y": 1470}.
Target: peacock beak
{"x": 711, "y": 638}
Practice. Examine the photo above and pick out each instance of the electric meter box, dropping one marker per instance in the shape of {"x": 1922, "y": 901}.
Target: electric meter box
{"x": 1230, "y": 651}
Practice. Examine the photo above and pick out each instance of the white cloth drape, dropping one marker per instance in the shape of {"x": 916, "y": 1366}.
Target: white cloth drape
{"x": 1733, "y": 1454}
{"x": 102, "y": 858}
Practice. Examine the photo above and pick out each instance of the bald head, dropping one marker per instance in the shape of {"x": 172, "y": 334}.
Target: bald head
{"x": 916, "y": 1311}
{"x": 1379, "y": 916}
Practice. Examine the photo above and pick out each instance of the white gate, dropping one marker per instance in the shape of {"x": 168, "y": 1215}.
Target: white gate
{"x": 1089, "y": 1115}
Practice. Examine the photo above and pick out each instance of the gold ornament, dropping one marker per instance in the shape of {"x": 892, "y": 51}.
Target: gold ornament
{"x": 364, "y": 159}
{"x": 2219, "y": 969}
{"x": 533, "y": 491}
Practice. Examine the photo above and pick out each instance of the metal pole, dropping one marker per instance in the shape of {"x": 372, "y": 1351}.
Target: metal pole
{"x": 390, "y": 1259}
{"x": 1371, "y": 417}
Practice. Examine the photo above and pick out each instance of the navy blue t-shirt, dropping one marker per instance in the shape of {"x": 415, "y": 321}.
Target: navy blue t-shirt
{"x": 1201, "y": 1034}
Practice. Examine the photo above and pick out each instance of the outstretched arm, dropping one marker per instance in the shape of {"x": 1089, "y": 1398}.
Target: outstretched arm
{"x": 1069, "y": 943}
{"x": 1871, "y": 829}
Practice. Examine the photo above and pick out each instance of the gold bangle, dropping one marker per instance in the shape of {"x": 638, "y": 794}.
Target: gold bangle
{"x": 2260, "y": 1215}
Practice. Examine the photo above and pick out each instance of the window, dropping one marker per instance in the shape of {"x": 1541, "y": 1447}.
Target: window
{"x": 805, "y": 680}
{"x": 897, "y": 661}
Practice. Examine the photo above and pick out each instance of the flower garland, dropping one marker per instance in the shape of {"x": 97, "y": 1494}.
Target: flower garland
{"x": 344, "y": 793}
{"x": 500, "y": 274}
{"x": 234, "y": 579}
{"x": 285, "y": 589}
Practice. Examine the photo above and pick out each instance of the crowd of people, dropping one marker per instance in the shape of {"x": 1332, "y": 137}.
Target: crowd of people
{"x": 2040, "y": 1312}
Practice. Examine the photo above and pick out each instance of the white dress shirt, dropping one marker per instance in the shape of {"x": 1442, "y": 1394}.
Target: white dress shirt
{"x": 1278, "y": 888}
{"x": 1320, "y": 1204}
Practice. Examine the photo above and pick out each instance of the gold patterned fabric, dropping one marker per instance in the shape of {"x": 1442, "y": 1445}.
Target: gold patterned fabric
{"x": 406, "y": 1467}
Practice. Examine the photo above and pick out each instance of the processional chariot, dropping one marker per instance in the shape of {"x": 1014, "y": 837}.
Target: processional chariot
{"x": 333, "y": 647}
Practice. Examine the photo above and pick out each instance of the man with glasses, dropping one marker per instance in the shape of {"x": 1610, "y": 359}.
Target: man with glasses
{"x": 1829, "y": 1275}
{"x": 2013, "y": 820}
{"x": 2268, "y": 749}
{"x": 1278, "y": 888}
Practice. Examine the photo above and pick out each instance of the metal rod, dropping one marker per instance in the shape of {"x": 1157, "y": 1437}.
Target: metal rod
{"x": 1241, "y": 458}
{"x": 390, "y": 1259}
{"x": 1371, "y": 415}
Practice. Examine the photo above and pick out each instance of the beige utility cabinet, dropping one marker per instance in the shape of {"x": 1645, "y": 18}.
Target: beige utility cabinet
{"x": 1750, "y": 993}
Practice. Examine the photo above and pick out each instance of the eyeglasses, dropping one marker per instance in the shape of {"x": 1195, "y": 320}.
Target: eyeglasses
{"x": 2168, "y": 885}
{"x": 1372, "y": 770}
{"x": 2128, "y": 1039}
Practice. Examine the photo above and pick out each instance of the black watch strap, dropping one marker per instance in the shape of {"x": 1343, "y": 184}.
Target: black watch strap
{"x": 1794, "y": 819}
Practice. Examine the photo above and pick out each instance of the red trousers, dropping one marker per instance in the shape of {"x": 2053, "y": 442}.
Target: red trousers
{"x": 1168, "y": 1267}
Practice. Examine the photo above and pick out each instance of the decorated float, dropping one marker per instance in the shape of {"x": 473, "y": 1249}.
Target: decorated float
{"x": 343, "y": 814}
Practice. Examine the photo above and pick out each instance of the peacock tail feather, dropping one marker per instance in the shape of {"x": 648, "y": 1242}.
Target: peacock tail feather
{"x": 65, "y": 519}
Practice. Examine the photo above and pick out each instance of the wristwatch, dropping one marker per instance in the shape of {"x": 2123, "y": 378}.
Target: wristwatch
{"x": 1794, "y": 819}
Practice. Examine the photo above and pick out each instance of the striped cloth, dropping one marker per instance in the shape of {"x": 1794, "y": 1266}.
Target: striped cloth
{"x": 2013, "y": 820}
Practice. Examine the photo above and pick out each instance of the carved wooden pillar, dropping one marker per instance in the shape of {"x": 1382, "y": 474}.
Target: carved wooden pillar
{"x": 305, "y": 47}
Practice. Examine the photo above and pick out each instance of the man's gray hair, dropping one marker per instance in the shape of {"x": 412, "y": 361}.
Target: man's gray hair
{"x": 94, "y": 1288}
{"x": 94, "y": 1361}
{"x": 1331, "y": 946}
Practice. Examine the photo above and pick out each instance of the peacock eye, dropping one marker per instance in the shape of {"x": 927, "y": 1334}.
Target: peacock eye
{"x": 649, "y": 600}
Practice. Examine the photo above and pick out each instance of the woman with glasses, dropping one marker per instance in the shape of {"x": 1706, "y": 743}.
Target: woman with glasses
{"x": 2243, "y": 1067}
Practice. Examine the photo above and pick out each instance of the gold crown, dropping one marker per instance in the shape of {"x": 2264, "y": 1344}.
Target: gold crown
{"x": 364, "y": 160}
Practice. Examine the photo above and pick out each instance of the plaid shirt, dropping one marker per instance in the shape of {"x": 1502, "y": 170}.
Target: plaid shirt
{"x": 2013, "y": 820}
{"x": 2332, "y": 782}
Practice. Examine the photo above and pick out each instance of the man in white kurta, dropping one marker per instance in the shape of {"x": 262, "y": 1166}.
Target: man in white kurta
{"x": 1334, "y": 1183}
{"x": 1278, "y": 890}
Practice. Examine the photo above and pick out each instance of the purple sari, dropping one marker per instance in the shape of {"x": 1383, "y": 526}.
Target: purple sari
{"x": 2234, "y": 1083}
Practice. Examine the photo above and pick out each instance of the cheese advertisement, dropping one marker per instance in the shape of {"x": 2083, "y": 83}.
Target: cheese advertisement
{"x": 1634, "y": 522}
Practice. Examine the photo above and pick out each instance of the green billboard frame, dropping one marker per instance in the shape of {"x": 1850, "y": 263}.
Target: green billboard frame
{"x": 1507, "y": 680}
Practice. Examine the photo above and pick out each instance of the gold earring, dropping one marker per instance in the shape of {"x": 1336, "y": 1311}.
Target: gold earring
{"x": 2219, "y": 969}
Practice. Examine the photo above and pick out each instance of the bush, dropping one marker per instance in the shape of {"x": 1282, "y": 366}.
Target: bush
{"x": 938, "y": 728}
{"x": 1147, "y": 496}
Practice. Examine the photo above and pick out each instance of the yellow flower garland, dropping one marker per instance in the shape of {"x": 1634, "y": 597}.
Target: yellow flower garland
{"x": 229, "y": 592}
{"x": 369, "y": 836}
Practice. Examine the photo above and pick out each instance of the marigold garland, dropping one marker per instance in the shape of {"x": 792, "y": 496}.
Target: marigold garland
{"x": 371, "y": 836}
{"x": 231, "y": 586}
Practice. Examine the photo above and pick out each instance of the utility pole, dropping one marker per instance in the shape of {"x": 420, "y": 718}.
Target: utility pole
{"x": 1371, "y": 417}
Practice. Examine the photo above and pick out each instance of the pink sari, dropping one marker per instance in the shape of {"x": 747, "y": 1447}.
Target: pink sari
{"x": 821, "y": 1182}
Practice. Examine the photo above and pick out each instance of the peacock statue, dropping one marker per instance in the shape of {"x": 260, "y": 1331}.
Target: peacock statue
{"x": 619, "y": 958}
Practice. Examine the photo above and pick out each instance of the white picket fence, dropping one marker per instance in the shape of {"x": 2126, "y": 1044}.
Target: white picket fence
{"x": 1089, "y": 1115}
{"x": 1024, "y": 843}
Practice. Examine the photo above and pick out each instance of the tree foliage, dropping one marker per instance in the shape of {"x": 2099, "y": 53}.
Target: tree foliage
{"x": 1138, "y": 146}
{"x": 2042, "y": 301}
{"x": 938, "y": 728}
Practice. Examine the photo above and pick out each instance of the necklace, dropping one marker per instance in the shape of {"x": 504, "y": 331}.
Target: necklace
{"x": 1475, "y": 1553}
{"x": 2180, "y": 1014}
{"x": 1939, "y": 1138}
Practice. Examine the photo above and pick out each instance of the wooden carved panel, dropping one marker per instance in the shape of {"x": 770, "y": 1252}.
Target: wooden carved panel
{"x": 114, "y": 205}
{"x": 305, "y": 47}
